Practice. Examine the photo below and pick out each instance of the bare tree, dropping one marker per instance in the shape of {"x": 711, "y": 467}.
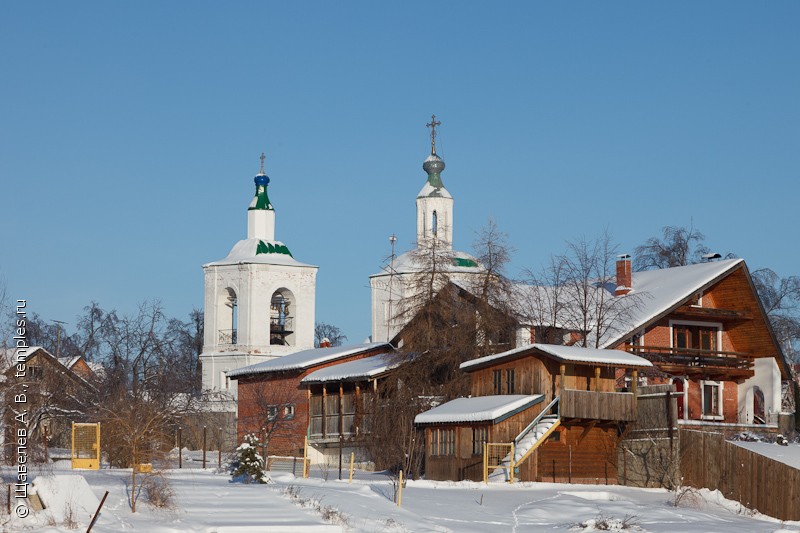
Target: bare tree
{"x": 781, "y": 300}
{"x": 495, "y": 298}
{"x": 450, "y": 317}
{"x": 591, "y": 308}
{"x": 679, "y": 246}
{"x": 330, "y": 332}
{"x": 542, "y": 299}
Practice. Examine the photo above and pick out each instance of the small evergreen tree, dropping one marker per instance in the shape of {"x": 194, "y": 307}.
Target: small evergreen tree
{"x": 249, "y": 465}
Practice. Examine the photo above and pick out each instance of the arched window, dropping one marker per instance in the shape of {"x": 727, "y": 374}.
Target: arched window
{"x": 227, "y": 317}
{"x": 759, "y": 416}
{"x": 435, "y": 223}
{"x": 281, "y": 317}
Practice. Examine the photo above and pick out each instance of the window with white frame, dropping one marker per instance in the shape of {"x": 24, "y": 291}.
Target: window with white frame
{"x": 711, "y": 399}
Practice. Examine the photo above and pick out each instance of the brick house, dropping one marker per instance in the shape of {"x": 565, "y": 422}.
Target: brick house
{"x": 274, "y": 402}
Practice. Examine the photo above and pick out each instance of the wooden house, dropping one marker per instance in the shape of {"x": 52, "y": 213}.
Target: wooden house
{"x": 559, "y": 405}
{"x": 276, "y": 405}
{"x": 340, "y": 404}
{"x": 706, "y": 332}
{"x": 57, "y": 392}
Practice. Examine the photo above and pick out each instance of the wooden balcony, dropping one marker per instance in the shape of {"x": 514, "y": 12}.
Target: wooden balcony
{"x": 619, "y": 406}
{"x": 717, "y": 364}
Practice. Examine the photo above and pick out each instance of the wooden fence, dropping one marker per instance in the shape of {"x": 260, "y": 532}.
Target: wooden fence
{"x": 598, "y": 405}
{"x": 757, "y": 482}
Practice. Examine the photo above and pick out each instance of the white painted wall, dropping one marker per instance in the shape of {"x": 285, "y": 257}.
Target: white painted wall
{"x": 767, "y": 377}
{"x": 444, "y": 213}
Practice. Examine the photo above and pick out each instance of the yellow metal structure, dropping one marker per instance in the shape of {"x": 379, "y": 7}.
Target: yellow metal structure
{"x": 498, "y": 455}
{"x": 86, "y": 446}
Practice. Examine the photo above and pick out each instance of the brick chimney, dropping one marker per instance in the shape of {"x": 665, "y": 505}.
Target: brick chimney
{"x": 623, "y": 275}
{"x": 325, "y": 343}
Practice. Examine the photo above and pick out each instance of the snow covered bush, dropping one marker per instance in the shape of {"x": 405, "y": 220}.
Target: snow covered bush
{"x": 248, "y": 465}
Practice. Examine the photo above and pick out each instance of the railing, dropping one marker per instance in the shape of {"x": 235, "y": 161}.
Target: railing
{"x": 692, "y": 356}
{"x": 524, "y": 432}
{"x": 281, "y": 324}
{"x": 598, "y": 405}
{"x": 227, "y": 336}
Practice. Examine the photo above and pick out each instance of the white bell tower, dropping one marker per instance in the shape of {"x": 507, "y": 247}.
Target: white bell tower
{"x": 259, "y": 300}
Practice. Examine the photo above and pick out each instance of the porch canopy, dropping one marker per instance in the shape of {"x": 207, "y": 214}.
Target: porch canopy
{"x": 492, "y": 409}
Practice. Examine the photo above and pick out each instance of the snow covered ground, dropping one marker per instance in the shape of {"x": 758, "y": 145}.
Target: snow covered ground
{"x": 207, "y": 502}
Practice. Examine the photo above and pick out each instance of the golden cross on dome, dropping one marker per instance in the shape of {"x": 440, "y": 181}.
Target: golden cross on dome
{"x": 432, "y": 125}
{"x": 262, "y": 158}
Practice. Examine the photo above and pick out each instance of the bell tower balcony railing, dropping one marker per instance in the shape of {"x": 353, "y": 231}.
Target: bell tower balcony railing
{"x": 227, "y": 336}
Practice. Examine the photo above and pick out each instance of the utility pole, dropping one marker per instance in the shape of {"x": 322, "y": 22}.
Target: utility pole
{"x": 58, "y": 336}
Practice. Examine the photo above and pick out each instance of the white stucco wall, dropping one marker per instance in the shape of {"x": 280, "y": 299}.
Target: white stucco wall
{"x": 768, "y": 378}
{"x": 254, "y": 284}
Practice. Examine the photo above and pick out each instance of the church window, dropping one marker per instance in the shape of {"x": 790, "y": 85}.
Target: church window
{"x": 435, "y": 223}
{"x": 228, "y": 317}
{"x": 281, "y": 318}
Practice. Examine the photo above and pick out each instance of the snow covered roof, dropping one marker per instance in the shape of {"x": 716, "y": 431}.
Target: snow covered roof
{"x": 261, "y": 252}
{"x": 572, "y": 354}
{"x": 429, "y": 190}
{"x": 306, "y": 359}
{"x": 654, "y": 293}
{"x": 478, "y": 409}
{"x": 366, "y": 368}
{"x": 409, "y": 262}
{"x": 68, "y": 361}
{"x": 664, "y": 289}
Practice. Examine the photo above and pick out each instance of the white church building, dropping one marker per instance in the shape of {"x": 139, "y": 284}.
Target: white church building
{"x": 396, "y": 282}
{"x": 259, "y": 300}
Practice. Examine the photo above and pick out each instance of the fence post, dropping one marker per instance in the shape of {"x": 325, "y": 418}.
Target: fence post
{"x": 400, "y": 490}
{"x": 305, "y": 458}
{"x": 570, "y": 464}
{"x": 204, "y": 447}
{"x": 511, "y": 469}
{"x": 180, "y": 448}
{"x": 352, "y": 459}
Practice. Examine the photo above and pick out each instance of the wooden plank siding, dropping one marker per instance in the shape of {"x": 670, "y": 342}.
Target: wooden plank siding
{"x": 598, "y": 405}
{"x": 575, "y": 454}
{"x": 463, "y": 464}
{"x": 755, "y": 481}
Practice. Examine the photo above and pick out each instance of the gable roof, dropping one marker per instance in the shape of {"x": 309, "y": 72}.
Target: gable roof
{"x": 478, "y": 409}
{"x": 571, "y": 354}
{"x": 366, "y": 368}
{"x": 665, "y": 289}
{"x": 306, "y": 359}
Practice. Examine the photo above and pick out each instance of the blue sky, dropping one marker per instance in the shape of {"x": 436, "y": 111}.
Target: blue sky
{"x": 130, "y": 135}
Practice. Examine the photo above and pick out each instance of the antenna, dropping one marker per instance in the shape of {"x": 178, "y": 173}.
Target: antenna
{"x": 392, "y": 241}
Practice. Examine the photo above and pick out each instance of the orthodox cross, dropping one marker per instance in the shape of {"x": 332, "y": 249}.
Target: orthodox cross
{"x": 262, "y": 158}
{"x": 432, "y": 125}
